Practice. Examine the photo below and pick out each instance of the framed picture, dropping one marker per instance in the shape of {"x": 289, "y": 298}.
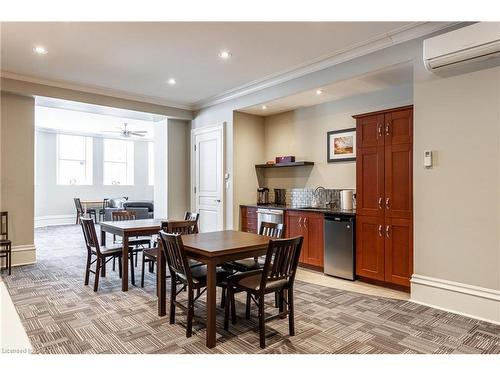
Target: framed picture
{"x": 341, "y": 145}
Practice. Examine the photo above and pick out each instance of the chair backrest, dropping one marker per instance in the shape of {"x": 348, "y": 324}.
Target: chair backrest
{"x": 122, "y": 215}
{"x": 191, "y": 216}
{"x": 272, "y": 229}
{"x": 4, "y": 225}
{"x": 89, "y": 234}
{"x": 78, "y": 205}
{"x": 105, "y": 203}
{"x": 177, "y": 261}
{"x": 282, "y": 259}
{"x": 182, "y": 227}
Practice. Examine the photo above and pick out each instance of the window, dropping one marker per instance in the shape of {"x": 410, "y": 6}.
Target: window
{"x": 118, "y": 162}
{"x": 74, "y": 160}
{"x": 151, "y": 163}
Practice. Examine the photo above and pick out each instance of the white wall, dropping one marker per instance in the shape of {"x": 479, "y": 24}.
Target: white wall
{"x": 57, "y": 200}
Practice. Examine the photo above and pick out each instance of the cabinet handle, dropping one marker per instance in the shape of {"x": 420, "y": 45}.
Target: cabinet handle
{"x": 379, "y": 203}
{"x": 380, "y": 130}
{"x": 387, "y": 231}
{"x": 380, "y": 230}
{"x": 387, "y": 129}
{"x": 300, "y": 221}
{"x": 387, "y": 201}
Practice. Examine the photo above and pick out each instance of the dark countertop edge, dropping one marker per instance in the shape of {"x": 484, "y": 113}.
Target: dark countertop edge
{"x": 290, "y": 208}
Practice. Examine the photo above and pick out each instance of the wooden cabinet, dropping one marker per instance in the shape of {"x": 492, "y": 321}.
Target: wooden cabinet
{"x": 248, "y": 219}
{"x": 384, "y": 195}
{"x": 309, "y": 225}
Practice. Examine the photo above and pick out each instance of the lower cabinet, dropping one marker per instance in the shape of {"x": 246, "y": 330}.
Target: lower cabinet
{"x": 384, "y": 249}
{"x": 248, "y": 219}
{"x": 310, "y": 226}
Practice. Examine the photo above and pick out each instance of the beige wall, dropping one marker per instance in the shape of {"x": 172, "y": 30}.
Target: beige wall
{"x": 248, "y": 143}
{"x": 17, "y": 171}
{"x": 457, "y": 203}
{"x": 302, "y": 133}
{"x": 178, "y": 168}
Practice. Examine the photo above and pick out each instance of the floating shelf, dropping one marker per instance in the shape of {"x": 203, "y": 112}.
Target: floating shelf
{"x": 284, "y": 165}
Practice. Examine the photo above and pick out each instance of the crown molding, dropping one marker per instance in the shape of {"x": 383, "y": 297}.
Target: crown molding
{"x": 401, "y": 35}
{"x": 95, "y": 90}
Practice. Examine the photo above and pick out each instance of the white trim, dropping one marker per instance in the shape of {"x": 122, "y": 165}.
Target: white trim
{"x": 465, "y": 299}
{"x": 19, "y": 248}
{"x": 95, "y": 90}
{"x": 49, "y": 220}
{"x": 374, "y": 44}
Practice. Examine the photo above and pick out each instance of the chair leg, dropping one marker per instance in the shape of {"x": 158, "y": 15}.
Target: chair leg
{"x": 233, "y": 308}
{"x": 262, "y": 325}
{"x": 276, "y": 299}
{"x": 114, "y": 258}
{"x": 223, "y": 298}
{"x": 136, "y": 257}
{"x": 280, "y": 297}
{"x": 87, "y": 271}
{"x": 173, "y": 291}
{"x": 247, "y": 312}
{"x": 291, "y": 317}
{"x": 103, "y": 268}
{"x": 10, "y": 260}
{"x": 132, "y": 274}
{"x": 143, "y": 268}
{"x": 190, "y": 314}
{"x": 97, "y": 273}
{"x": 226, "y": 308}
{"x": 119, "y": 266}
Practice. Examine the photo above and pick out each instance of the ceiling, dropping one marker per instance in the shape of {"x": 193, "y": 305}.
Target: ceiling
{"x": 139, "y": 57}
{"x": 395, "y": 75}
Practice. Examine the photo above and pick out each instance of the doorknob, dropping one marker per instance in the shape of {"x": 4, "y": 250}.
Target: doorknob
{"x": 217, "y": 200}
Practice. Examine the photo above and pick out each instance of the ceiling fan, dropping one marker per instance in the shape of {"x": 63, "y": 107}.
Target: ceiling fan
{"x": 124, "y": 132}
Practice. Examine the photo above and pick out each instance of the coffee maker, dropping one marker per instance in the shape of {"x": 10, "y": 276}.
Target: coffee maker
{"x": 262, "y": 196}
{"x": 280, "y": 197}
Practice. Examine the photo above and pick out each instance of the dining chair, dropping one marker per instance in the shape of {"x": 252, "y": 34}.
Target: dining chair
{"x": 102, "y": 254}
{"x": 5, "y": 243}
{"x": 102, "y": 210}
{"x": 277, "y": 276}
{"x": 81, "y": 212}
{"x": 150, "y": 256}
{"x": 188, "y": 215}
{"x": 182, "y": 274}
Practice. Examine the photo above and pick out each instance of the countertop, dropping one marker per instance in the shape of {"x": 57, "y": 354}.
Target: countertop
{"x": 331, "y": 211}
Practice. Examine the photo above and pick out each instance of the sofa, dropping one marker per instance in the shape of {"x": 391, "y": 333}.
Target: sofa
{"x": 142, "y": 209}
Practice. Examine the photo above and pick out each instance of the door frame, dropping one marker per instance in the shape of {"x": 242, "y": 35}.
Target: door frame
{"x": 220, "y": 128}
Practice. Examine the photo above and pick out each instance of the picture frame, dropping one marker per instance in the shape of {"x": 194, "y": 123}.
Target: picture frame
{"x": 341, "y": 145}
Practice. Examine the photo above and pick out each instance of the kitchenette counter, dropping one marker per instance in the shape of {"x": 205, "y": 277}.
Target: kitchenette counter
{"x": 324, "y": 210}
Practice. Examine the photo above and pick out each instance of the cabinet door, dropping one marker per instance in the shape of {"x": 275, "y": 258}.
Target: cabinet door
{"x": 313, "y": 224}
{"x": 398, "y": 201}
{"x": 248, "y": 219}
{"x": 370, "y": 247}
{"x": 370, "y": 181}
{"x": 398, "y": 127}
{"x": 295, "y": 227}
{"x": 398, "y": 251}
{"x": 370, "y": 131}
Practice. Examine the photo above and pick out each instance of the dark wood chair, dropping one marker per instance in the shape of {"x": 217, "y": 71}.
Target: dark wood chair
{"x": 137, "y": 243}
{"x": 81, "y": 212}
{"x": 277, "y": 276}
{"x": 182, "y": 274}
{"x": 149, "y": 256}
{"x": 188, "y": 215}
{"x": 102, "y": 254}
{"x": 266, "y": 229}
{"x": 102, "y": 210}
{"x": 5, "y": 243}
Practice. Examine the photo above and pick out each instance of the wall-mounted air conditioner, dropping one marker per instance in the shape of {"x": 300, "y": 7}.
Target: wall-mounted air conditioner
{"x": 476, "y": 42}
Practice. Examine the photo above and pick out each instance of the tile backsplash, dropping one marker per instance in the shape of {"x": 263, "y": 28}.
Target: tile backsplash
{"x": 302, "y": 197}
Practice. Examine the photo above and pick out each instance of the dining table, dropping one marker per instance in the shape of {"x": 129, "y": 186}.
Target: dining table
{"x": 87, "y": 203}
{"x": 212, "y": 249}
{"x": 126, "y": 229}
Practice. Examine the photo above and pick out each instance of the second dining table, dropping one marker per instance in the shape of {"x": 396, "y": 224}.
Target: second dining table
{"x": 212, "y": 249}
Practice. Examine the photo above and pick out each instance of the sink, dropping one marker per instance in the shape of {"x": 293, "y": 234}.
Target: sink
{"x": 313, "y": 208}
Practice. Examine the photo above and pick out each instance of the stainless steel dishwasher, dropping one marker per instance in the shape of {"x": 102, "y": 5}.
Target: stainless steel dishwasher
{"x": 339, "y": 246}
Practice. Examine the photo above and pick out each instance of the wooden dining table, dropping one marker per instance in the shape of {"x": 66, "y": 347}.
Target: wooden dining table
{"x": 212, "y": 249}
{"x": 126, "y": 229}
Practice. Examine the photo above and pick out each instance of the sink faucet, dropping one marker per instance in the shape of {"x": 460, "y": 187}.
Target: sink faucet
{"x": 315, "y": 202}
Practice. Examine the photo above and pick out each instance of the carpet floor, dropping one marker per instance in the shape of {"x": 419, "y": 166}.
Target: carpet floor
{"x": 61, "y": 315}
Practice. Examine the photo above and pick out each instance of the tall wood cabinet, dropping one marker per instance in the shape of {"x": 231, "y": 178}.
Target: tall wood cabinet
{"x": 384, "y": 195}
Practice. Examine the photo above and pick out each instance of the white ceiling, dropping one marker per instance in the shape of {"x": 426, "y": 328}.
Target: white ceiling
{"x": 395, "y": 75}
{"x": 138, "y": 58}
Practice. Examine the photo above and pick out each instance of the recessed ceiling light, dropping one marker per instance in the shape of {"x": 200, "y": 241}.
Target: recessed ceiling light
{"x": 40, "y": 50}
{"x": 171, "y": 81}
{"x": 264, "y": 107}
{"x": 319, "y": 92}
{"x": 225, "y": 54}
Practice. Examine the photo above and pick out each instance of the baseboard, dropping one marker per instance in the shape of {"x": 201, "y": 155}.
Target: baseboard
{"x": 22, "y": 255}
{"x": 464, "y": 299}
{"x": 44, "y": 221}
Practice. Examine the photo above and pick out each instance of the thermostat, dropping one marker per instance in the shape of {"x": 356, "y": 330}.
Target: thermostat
{"x": 428, "y": 159}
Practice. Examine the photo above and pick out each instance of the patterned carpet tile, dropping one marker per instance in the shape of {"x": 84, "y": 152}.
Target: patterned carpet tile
{"x": 61, "y": 315}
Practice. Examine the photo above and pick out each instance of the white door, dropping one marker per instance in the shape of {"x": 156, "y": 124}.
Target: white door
{"x": 208, "y": 177}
